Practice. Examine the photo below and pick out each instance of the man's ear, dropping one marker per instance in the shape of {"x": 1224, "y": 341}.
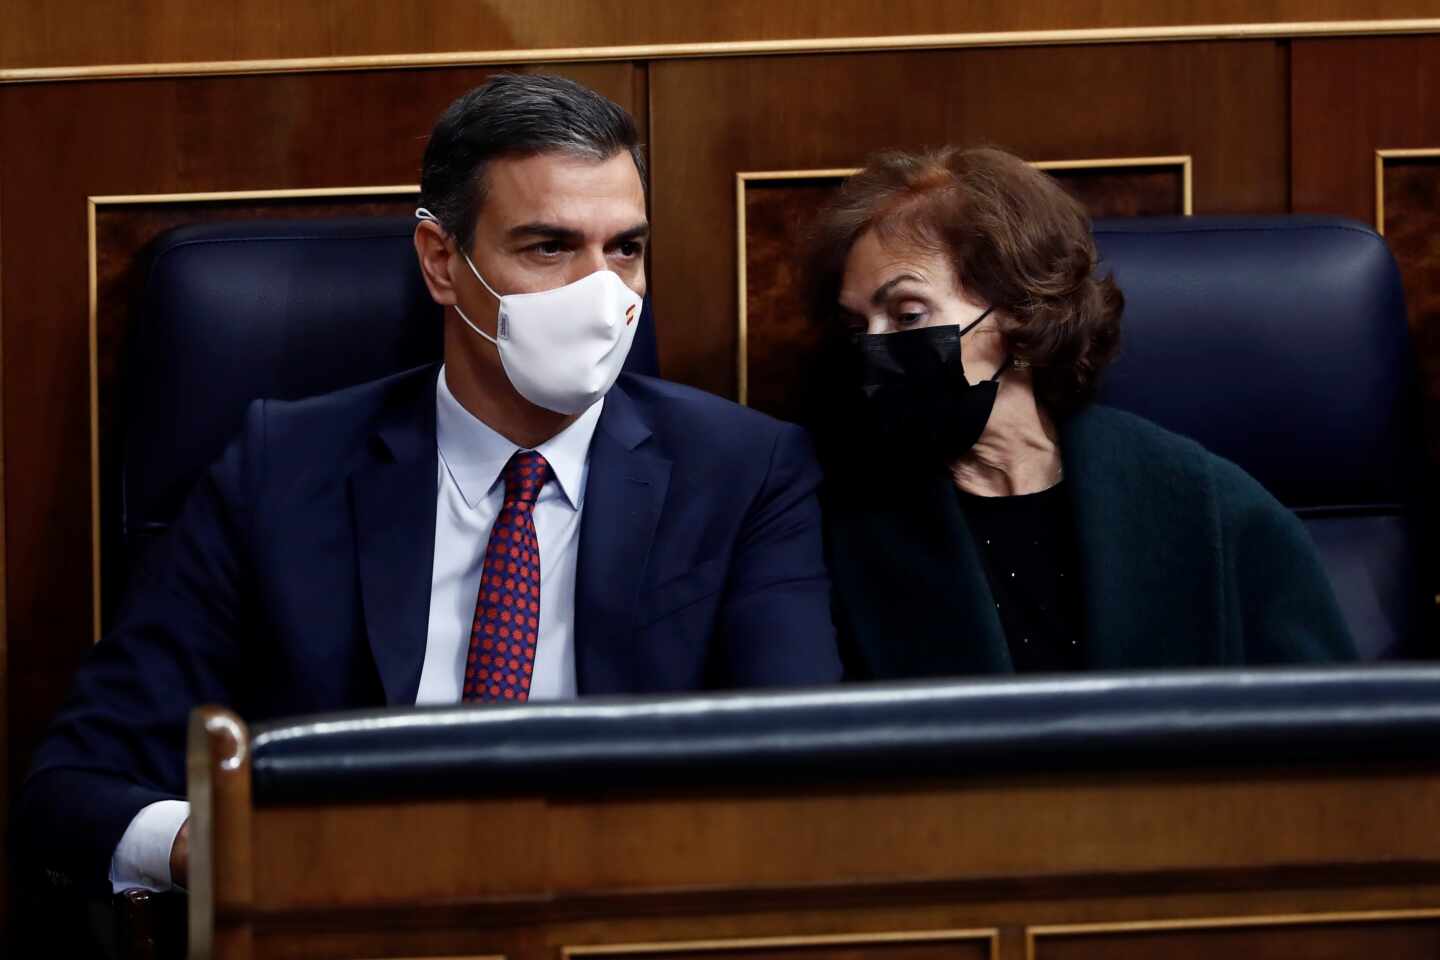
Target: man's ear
{"x": 436, "y": 258}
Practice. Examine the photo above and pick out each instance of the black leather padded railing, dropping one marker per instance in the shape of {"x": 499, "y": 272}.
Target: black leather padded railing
{"x": 1276, "y": 717}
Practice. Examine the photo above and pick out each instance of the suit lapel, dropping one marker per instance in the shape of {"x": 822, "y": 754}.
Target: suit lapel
{"x": 393, "y": 499}
{"x": 1148, "y": 539}
{"x": 624, "y": 496}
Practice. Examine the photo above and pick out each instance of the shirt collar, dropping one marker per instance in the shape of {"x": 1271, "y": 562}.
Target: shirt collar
{"x": 475, "y": 454}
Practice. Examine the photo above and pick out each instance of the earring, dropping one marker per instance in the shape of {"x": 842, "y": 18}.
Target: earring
{"x": 1020, "y": 363}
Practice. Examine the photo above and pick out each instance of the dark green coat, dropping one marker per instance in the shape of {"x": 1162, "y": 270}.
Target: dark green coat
{"x": 1185, "y": 560}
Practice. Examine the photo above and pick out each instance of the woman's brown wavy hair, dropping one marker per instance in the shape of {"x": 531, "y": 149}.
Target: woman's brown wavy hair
{"x": 1016, "y": 241}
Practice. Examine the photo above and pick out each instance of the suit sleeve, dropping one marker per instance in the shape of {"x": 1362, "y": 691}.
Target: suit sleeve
{"x": 1288, "y": 608}
{"x": 118, "y": 743}
{"x": 775, "y": 615}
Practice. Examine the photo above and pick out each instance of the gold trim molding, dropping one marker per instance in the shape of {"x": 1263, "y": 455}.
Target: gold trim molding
{"x": 1380, "y": 157}
{"x": 990, "y": 934}
{"x": 92, "y": 205}
{"x": 670, "y": 51}
{"x": 743, "y": 178}
{"x": 1219, "y": 923}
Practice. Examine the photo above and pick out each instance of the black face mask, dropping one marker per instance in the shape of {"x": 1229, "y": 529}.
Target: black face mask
{"x": 914, "y": 395}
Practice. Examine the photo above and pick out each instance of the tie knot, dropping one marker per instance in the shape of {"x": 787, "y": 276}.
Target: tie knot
{"x": 524, "y": 475}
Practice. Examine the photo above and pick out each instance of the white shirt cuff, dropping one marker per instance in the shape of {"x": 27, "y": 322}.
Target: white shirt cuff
{"x": 142, "y": 857}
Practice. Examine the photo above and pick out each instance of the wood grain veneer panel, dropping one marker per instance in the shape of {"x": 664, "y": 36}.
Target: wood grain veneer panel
{"x": 1222, "y": 103}
{"x": 1411, "y": 219}
{"x": 780, "y": 334}
{"x": 1126, "y": 191}
{"x": 146, "y": 137}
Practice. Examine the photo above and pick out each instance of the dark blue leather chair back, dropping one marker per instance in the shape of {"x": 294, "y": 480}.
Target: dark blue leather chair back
{"x": 1281, "y": 344}
{"x": 231, "y": 312}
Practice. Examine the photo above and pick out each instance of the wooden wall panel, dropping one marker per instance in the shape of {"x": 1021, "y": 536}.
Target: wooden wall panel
{"x": 895, "y": 945}
{"x": 141, "y": 137}
{"x": 1338, "y": 124}
{"x": 1351, "y": 98}
{"x": 1393, "y": 939}
{"x": 1223, "y": 103}
{"x": 54, "y": 33}
{"x": 5, "y": 761}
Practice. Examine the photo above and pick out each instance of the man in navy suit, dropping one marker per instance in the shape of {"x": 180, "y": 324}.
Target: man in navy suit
{"x": 515, "y": 524}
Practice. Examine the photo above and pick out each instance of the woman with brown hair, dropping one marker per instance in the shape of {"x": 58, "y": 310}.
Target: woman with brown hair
{"x": 982, "y": 514}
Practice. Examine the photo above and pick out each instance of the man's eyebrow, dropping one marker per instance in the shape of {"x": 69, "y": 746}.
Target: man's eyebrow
{"x": 882, "y": 291}
{"x": 545, "y": 231}
{"x": 638, "y": 232}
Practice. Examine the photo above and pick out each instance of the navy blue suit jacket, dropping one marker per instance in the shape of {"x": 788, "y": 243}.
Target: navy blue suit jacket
{"x": 297, "y": 580}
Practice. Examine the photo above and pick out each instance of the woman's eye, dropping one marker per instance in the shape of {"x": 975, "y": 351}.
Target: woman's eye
{"x": 907, "y": 313}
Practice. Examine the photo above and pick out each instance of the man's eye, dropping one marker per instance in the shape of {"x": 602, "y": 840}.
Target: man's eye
{"x": 631, "y": 248}
{"x": 549, "y": 248}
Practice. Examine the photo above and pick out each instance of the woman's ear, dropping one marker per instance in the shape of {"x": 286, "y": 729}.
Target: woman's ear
{"x": 436, "y": 255}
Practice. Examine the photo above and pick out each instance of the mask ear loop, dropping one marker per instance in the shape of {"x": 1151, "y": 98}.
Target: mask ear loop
{"x": 976, "y": 322}
{"x": 1004, "y": 364}
{"x": 423, "y": 214}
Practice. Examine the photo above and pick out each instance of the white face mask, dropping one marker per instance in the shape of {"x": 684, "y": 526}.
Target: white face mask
{"x": 562, "y": 349}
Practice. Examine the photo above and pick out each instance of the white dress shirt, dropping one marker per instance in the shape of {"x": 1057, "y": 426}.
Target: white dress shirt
{"x": 469, "y": 493}
{"x": 472, "y": 457}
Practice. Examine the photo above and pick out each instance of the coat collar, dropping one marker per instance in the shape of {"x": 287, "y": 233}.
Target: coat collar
{"x": 1148, "y": 540}
{"x": 1148, "y": 530}
{"x": 910, "y": 585}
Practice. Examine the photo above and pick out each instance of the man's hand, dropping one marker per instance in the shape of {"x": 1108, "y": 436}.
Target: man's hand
{"x": 180, "y": 857}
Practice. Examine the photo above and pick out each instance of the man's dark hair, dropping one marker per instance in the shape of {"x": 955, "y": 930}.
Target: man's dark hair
{"x": 515, "y": 115}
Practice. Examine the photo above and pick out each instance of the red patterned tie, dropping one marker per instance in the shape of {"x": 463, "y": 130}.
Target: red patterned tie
{"x": 507, "y": 607}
